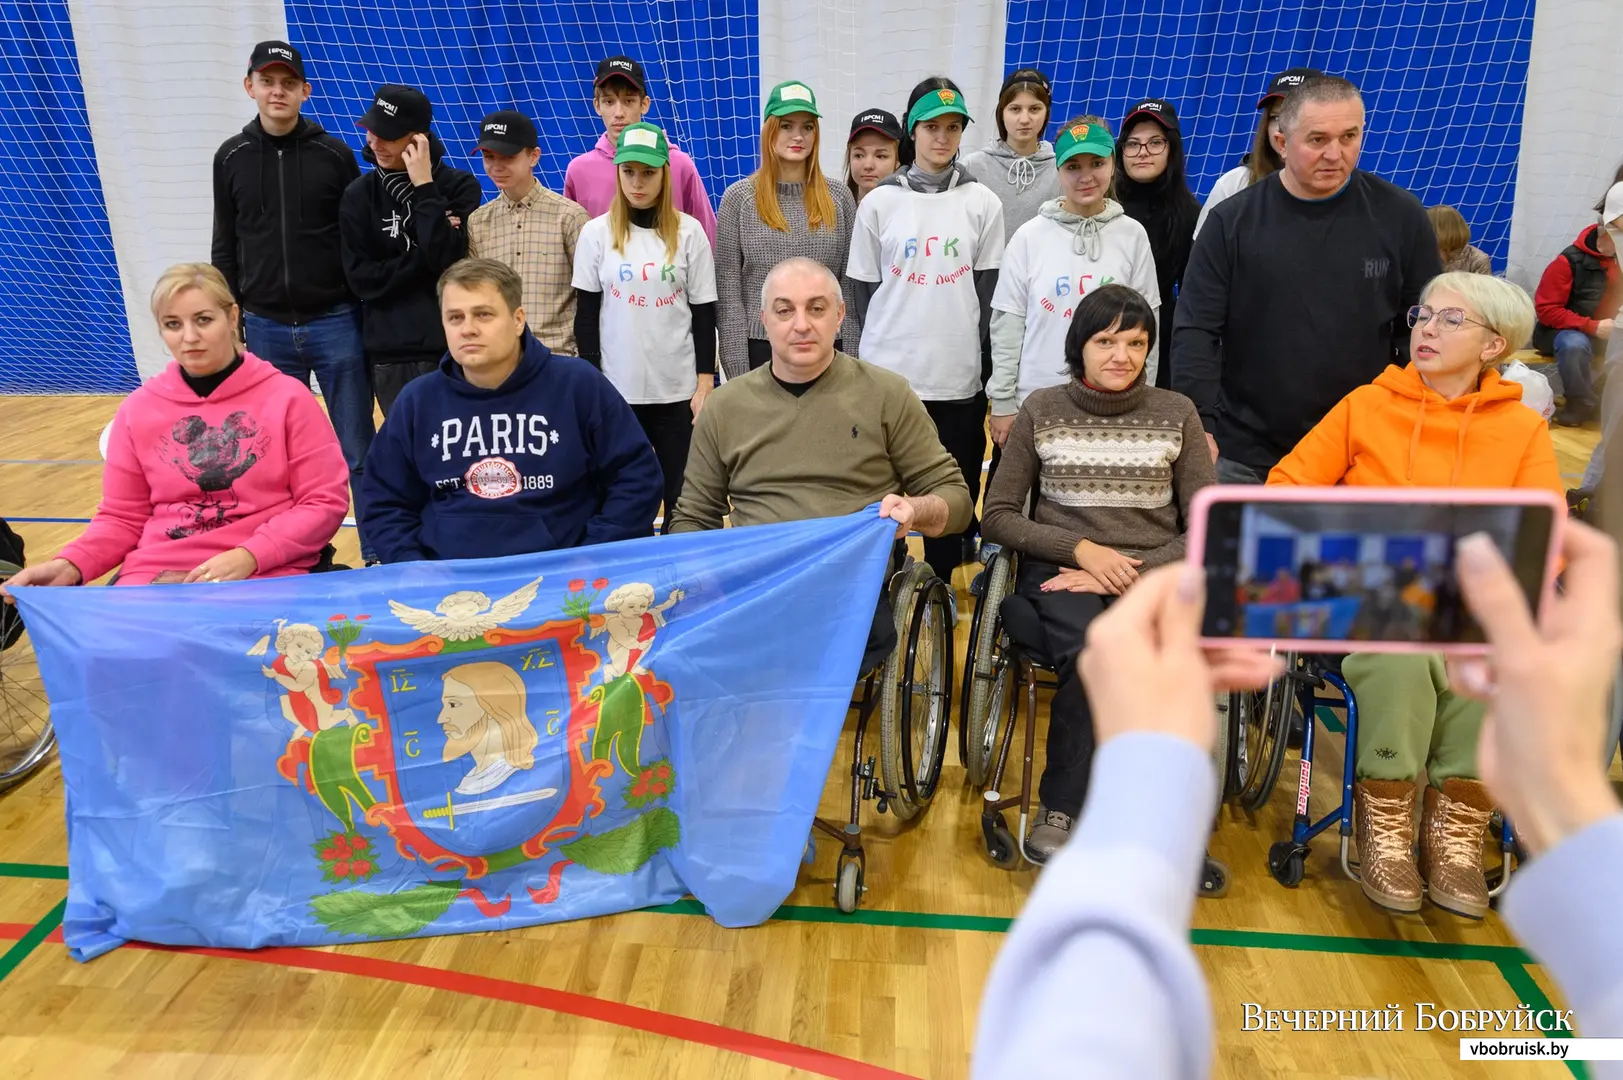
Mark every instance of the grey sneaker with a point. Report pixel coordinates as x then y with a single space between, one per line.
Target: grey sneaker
1049 831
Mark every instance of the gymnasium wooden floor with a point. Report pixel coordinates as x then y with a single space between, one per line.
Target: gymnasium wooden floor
891 991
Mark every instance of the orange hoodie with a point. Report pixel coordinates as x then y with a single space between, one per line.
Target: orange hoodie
1397 432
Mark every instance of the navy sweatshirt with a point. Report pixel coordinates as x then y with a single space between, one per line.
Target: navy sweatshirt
553 458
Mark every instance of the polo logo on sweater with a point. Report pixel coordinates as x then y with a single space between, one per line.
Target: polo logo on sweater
493 478
853 431
213 458
1376 269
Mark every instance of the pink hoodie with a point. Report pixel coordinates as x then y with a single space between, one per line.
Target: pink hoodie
590 181
254 465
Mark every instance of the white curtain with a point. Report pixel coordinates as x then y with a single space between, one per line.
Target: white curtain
857 55
163 89
1572 130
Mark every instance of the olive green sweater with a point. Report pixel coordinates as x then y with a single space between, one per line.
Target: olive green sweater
761 455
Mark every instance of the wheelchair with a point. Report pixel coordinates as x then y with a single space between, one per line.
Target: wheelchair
1310 683
26 735
912 691
1008 659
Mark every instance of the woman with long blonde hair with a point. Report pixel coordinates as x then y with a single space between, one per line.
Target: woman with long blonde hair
645 289
786 209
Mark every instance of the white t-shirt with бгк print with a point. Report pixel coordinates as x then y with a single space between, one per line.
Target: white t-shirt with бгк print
924 321
1043 278
646 322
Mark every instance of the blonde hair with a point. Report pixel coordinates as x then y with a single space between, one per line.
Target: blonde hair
1452 231
820 213
502 698
667 220
1505 308
193 275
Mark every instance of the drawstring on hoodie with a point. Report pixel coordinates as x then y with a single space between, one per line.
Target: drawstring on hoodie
1459 441
1022 173
1087 233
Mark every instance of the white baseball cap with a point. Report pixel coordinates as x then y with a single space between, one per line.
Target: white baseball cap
1614 204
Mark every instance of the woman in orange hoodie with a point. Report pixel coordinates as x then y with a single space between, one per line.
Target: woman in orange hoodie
1445 420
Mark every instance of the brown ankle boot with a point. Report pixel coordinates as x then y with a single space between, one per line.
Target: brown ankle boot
1383 812
1451 846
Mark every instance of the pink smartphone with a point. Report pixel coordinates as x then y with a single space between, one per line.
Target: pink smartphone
1360 569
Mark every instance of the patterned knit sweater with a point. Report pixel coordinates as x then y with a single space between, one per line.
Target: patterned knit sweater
747 250
1119 469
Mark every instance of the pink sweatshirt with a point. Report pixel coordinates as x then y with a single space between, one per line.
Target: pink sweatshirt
590 181
254 465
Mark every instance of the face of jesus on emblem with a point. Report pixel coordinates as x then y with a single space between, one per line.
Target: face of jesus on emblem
483 714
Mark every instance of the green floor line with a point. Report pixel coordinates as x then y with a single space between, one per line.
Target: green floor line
30 941
1529 993
33 870
993 924
1330 720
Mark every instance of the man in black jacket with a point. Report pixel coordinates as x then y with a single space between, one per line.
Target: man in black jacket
277 187
403 224
1298 289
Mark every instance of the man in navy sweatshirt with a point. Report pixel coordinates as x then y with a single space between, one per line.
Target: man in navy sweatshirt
506 449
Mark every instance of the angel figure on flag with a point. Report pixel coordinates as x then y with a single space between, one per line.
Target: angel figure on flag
465 616
630 622
311 698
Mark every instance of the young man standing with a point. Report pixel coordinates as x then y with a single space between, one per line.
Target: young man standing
529 228
506 449
402 225
620 96
277 188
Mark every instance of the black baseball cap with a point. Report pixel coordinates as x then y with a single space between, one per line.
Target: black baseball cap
1025 75
876 120
1285 82
269 53
397 111
507 132
622 67
1157 109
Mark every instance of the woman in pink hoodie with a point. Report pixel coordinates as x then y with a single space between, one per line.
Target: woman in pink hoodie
220 468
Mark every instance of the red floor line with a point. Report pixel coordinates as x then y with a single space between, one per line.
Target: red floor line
652 1021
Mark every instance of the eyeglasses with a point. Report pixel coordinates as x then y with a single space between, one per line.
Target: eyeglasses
1448 319
1139 148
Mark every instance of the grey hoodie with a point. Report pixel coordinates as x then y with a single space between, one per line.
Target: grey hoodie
1022 184
1086 230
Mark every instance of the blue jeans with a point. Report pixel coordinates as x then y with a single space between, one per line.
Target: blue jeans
1574 358
330 347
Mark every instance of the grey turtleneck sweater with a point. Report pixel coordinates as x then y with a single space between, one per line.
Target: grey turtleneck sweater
747 250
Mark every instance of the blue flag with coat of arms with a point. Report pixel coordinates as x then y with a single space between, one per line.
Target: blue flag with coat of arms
435 748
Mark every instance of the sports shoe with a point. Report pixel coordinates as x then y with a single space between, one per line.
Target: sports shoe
1383 811
1451 833
1049 831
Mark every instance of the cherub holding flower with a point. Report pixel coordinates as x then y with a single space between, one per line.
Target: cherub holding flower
631 622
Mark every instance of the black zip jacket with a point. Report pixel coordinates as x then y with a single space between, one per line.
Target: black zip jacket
276 220
393 259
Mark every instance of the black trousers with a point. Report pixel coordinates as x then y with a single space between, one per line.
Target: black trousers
1065 617
961 426
389 377
760 352
670 429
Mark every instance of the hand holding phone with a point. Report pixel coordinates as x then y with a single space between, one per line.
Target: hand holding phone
1345 569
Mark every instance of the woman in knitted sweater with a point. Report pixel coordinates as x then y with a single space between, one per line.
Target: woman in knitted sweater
1110 465
786 209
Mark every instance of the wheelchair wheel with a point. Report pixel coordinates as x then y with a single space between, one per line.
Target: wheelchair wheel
26 735
915 709
988 674
1260 725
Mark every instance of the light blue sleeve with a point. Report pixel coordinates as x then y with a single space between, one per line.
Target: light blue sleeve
1097 978
1566 907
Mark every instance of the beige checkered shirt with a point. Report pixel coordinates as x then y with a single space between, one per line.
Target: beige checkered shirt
535 236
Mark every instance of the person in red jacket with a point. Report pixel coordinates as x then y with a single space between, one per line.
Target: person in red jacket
1576 303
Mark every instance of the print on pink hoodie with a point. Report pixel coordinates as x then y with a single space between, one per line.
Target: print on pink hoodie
254 465
591 178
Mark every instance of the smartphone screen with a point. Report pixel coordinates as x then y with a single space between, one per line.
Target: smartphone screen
1358 571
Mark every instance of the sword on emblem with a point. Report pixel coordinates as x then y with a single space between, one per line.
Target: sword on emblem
450 810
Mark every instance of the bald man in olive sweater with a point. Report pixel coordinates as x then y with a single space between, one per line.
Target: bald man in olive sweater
817 433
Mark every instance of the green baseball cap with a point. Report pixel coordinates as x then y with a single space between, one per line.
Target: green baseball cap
643 143
791 97
937 103
1083 139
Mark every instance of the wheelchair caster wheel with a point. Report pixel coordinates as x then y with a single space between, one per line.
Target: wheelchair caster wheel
1287 862
1000 844
848 887
1214 880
